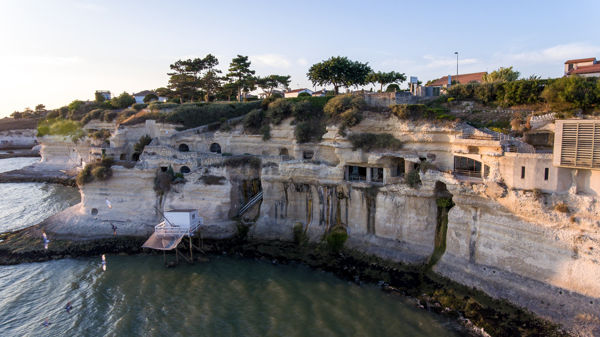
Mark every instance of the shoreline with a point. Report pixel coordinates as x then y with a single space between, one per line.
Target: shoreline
471 308
36 173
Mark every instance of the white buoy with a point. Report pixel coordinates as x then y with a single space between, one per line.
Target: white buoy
108 204
103 262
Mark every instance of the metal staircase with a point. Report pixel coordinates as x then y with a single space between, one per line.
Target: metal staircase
256 198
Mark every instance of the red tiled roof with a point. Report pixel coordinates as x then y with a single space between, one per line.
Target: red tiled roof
461 78
586 70
296 90
581 60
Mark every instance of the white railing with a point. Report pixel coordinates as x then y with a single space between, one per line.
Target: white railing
166 229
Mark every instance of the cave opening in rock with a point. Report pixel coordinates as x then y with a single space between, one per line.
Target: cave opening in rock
184 148
184 170
215 148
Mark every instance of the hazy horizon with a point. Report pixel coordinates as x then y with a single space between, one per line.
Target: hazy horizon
59 51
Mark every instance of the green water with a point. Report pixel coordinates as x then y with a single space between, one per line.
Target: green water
137 296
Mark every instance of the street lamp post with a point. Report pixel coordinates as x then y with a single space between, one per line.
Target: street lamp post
456 63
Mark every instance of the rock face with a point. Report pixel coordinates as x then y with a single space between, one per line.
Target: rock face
502 236
11 139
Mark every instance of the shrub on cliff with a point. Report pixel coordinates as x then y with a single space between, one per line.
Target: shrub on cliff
279 109
191 116
239 161
141 144
336 238
372 141
310 131
100 170
346 109
101 134
413 179
254 120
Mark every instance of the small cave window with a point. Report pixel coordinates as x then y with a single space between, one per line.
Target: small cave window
467 167
94 211
356 173
184 148
135 157
398 167
163 169
215 148
123 156
283 152
377 174
522 172
546 173
185 169
308 154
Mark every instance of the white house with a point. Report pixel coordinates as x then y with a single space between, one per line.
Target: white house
104 93
296 92
139 96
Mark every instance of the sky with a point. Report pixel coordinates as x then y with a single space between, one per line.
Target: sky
53 52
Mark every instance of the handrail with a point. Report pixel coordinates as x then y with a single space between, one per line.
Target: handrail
251 203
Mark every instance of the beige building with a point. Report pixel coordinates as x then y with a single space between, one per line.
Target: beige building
588 67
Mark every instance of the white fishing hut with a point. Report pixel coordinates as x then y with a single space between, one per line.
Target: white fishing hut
176 224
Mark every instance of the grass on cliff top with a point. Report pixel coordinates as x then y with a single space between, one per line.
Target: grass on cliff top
60 127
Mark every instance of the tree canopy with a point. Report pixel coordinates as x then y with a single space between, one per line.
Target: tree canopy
501 75
383 78
241 75
187 76
272 82
340 72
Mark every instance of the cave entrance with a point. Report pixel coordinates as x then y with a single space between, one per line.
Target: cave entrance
184 170
184 148
215 148
135 157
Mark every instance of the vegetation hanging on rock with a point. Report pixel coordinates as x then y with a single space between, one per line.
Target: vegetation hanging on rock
372 141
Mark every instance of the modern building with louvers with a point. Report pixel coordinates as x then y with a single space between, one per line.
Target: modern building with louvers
577 146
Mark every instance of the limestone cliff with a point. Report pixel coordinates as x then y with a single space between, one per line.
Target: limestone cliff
504 235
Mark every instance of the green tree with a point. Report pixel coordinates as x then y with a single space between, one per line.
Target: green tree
573 91
150 97
272 82
383 78
340 72
75 105
163 92
501 75
98 97
184 78
240 75
392 88
122 101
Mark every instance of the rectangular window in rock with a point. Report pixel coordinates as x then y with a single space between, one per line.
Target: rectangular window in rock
357 173
467 167
546 173
377 174
522 172
398 167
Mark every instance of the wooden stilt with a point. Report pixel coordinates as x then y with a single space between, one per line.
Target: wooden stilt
191 256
